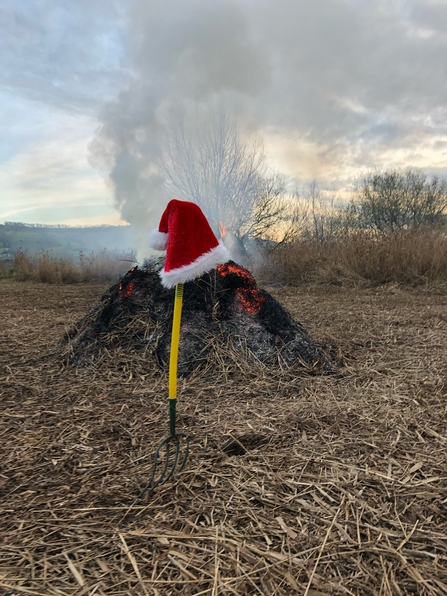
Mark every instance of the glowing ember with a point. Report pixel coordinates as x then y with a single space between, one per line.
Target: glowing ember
128 290
222 230
250 300
232 268
126 287
249 297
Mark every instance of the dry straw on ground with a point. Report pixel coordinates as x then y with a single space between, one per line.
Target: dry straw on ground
296 484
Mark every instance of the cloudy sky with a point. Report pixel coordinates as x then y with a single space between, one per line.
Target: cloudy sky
332 86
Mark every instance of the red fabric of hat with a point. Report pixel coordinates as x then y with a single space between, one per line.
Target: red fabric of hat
190 244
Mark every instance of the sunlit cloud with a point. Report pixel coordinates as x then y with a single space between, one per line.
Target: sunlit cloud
49 180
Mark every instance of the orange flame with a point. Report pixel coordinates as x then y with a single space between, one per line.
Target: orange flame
222 230
228 268
250 298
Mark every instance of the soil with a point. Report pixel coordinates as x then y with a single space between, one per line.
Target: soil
295 483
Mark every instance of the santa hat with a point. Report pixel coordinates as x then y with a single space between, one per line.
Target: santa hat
190 244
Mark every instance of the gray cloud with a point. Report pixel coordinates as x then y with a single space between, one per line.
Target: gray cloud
354 79
67 55
199 47
341 67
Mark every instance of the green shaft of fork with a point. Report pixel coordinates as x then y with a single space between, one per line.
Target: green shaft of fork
173 358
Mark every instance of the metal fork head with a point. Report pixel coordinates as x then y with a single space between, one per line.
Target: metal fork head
171 454
170 458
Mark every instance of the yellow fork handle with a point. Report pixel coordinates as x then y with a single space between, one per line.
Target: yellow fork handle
173 358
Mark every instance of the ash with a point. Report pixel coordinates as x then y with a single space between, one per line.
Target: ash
224 313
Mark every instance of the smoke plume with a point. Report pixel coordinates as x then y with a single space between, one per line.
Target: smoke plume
344 80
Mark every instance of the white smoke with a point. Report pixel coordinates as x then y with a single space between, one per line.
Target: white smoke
346 80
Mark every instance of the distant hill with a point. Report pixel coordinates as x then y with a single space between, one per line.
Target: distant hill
63 241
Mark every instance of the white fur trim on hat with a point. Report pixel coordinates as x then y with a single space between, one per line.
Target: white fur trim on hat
217 255
158 240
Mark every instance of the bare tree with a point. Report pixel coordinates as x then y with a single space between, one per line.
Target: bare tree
206 160
389 201
325 216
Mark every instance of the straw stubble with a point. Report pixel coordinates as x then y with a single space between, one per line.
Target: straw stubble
296 483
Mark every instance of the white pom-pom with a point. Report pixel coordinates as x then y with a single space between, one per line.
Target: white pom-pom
158 240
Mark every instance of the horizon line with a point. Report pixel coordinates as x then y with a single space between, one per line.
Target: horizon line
19 224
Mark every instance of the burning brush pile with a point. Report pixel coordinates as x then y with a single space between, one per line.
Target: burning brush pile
226 316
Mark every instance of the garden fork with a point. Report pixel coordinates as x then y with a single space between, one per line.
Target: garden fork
172 452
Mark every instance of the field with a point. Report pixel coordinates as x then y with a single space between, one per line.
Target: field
296 483
63 241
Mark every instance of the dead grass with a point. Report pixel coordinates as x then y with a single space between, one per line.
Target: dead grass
415 257
339 486
5 269
47 268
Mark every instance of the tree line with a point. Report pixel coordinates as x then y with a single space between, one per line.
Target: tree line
207 160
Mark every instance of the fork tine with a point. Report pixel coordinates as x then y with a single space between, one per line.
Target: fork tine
161 479
182 463
169 468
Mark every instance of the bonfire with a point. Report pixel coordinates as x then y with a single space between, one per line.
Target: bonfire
226 317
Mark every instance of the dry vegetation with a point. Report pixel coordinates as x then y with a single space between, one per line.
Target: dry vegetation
296 484
417 257
47 268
